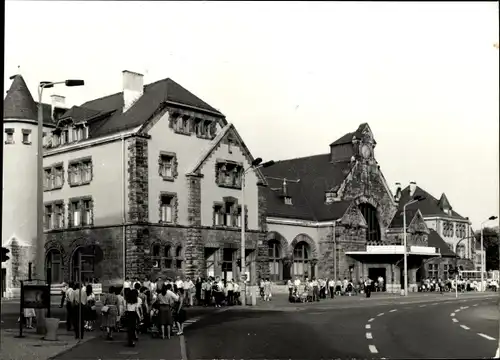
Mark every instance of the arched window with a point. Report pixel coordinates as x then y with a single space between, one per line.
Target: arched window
167 258
179 259
301 259
274 260
370 214
155 255
54 261
83 263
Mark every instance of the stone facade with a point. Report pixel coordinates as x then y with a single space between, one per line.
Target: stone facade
195 250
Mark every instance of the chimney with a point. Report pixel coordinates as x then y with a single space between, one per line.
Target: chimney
413 187
397 194
59 102
133 88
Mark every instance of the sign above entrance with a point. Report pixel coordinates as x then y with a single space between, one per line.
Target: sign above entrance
243 277
395 249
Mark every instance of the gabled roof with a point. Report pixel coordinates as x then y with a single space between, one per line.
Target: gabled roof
227 130
428 207
443 203
435 240
347 138
317 176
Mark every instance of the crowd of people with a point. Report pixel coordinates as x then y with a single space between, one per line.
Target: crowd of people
460 284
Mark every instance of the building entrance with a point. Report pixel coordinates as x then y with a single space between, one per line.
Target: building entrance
375 273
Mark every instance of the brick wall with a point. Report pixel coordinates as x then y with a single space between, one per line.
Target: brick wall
262 260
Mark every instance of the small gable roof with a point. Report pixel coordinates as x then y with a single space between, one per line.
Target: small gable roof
347 138
428 207
229 129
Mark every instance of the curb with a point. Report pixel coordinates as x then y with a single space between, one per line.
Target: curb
71 347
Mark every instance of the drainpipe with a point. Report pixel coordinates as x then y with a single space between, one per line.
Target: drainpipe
124 243
334 225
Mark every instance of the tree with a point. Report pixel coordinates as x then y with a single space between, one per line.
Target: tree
5 257
491 242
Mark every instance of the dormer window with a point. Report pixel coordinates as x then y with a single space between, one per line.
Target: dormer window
80 133
288 200
64 137
228 174
330 197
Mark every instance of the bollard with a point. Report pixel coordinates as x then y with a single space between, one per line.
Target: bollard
254 297
402 292
52 324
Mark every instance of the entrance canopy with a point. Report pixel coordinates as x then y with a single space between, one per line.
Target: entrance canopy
396 250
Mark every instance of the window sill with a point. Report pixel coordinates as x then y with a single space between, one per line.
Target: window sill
225 227
205 137
168 178
236 187
180 132
9 142
80 227
27 143
166 222
53 188
80 184
54 229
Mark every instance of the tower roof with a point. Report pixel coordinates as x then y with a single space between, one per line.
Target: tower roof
19 104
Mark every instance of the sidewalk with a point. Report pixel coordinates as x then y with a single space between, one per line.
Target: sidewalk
32 347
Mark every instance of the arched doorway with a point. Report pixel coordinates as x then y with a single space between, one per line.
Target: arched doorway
301 260
275 265
84 264
53 260
370 214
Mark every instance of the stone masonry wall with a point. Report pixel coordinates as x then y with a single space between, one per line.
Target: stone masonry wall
262 246
195 250
107 239
138 180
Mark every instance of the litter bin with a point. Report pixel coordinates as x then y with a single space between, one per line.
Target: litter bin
402 292
51 324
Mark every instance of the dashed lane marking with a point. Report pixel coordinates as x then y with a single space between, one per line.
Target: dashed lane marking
380 314
434 303
370 320
454 320
182 341
393 310
452 314
373 349
486 336
475 305
369 336
423 305
368 326
465 327
457 310
464 307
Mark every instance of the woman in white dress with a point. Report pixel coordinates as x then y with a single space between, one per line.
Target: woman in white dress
29 314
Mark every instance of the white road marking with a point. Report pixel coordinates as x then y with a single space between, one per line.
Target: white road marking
465 327
380 314
454 320
465 307
369 336
393 310
423 305
475 305
182 341
368 326
434 303
373 349
370 320
452 314
463 300
486 336
457 310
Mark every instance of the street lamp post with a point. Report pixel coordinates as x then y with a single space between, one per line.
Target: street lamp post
456 262
405 250
483 255
40 243
256 164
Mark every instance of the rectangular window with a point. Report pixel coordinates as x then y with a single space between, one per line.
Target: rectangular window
229 174
87 212
58 176
48 217
167 166
26 136
166 209
76 213
48 179
9 136
229 216
58 215
80 172
218 215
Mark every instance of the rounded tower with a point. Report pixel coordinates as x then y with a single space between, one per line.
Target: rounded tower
19 181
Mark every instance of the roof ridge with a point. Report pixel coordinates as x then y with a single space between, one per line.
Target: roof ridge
303 157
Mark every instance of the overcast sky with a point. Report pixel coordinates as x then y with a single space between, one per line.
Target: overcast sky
293 77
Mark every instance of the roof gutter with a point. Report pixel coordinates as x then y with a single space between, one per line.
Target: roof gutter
304 223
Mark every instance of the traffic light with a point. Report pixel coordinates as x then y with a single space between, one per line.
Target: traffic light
5 257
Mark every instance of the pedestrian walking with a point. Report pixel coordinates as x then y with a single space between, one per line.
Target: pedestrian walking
79 302
110 312
331 288
133 316
90 313
166 299
267 290
179 315
69 306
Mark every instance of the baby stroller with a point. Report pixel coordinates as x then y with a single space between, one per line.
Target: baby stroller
154 329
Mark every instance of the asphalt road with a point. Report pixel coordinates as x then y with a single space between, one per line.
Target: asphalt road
398 328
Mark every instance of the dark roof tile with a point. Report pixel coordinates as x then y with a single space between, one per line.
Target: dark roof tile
317 176
434 240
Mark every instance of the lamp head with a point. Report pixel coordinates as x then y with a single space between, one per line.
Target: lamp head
74 82
493 218
256 162
268 163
